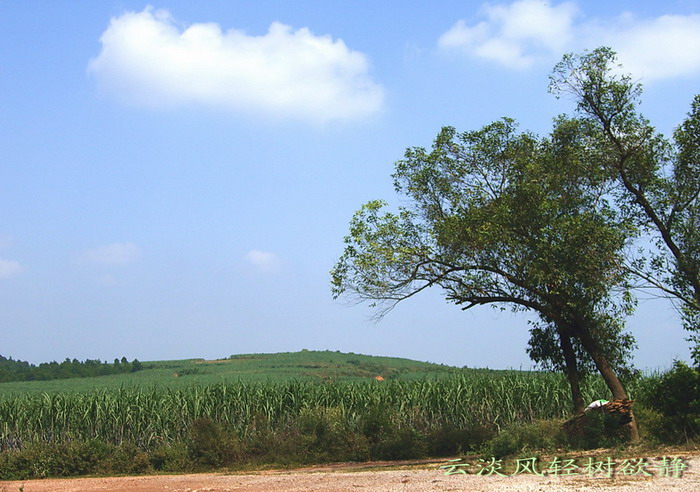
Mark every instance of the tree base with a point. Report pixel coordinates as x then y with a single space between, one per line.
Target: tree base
607 425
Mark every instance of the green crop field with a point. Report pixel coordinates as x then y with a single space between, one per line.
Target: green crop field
157 403
261 408
312 366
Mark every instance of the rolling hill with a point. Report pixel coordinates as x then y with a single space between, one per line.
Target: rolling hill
307 365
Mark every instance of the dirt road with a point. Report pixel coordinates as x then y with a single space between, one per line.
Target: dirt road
342 478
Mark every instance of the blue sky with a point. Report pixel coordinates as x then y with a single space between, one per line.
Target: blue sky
177 177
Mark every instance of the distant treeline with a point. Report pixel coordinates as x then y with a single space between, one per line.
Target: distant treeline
17 370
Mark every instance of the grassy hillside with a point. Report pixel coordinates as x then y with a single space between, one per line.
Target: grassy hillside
319 366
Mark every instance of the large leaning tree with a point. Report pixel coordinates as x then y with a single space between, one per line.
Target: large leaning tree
656 181
503 218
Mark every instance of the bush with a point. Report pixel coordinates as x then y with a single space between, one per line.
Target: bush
676 396
210 446
651 425
596 429
126 459
30 462
41 460
517 439
400 444
447 441
327 436
171 458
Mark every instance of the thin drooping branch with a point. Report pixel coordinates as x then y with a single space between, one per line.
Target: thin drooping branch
654 283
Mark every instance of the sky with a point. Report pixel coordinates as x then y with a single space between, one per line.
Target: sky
176 178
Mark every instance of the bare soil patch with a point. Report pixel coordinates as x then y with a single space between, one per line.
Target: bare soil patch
378 476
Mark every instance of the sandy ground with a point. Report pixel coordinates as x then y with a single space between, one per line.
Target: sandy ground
371 477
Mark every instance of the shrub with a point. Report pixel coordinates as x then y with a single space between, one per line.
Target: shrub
328 436
400 444
126 459
387 440
597 429
447 441
210 446
40 460
651 424
535 436
171 458
76 458
676 396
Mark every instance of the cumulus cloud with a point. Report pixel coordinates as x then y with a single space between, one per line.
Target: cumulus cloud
262 260
149 59
514 35
112 254
10 268
661 48
519 34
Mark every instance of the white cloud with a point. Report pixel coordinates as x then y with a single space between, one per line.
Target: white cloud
112 254
148 59
514 35
10 268
661 48
519 34
266 262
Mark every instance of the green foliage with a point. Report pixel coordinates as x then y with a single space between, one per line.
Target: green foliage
652 425
137 430
543 348
675 396
400 444
656 182
323 366
387 439
126 459
149 417
327 435
210 446
172 457
247 424
17 370
294 422
509 219
695 350
74 458
526 438
450 441
598 430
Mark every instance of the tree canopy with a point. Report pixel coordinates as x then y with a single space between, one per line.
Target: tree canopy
509 219
656 181
547 224
17 370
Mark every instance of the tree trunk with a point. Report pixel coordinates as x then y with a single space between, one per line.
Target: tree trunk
611 379
571 370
